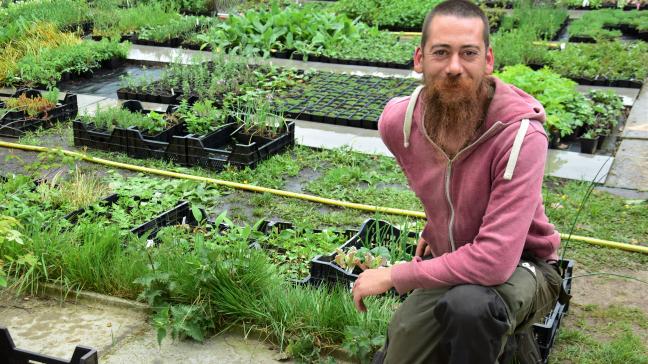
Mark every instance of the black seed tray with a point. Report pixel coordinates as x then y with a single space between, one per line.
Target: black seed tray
181 214
126 140
325 270
546 332
11 354
17 123
228 145
73 216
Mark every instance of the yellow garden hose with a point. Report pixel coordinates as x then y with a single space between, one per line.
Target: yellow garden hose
301 196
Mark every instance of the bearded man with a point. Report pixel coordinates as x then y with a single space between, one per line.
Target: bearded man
473 149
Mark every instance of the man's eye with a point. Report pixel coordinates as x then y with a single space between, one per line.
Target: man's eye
439 52
470 53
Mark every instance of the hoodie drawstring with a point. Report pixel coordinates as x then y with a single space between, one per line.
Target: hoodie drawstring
407 126
515 151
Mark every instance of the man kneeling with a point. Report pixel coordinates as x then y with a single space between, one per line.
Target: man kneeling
473 149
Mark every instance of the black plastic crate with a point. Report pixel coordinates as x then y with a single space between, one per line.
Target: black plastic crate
325 270
73 216
181 214
228 145
127 140
547 331
10 354
17 123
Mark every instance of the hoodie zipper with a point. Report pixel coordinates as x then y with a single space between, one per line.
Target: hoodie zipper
449 175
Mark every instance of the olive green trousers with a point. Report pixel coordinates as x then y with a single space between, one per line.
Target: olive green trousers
472 323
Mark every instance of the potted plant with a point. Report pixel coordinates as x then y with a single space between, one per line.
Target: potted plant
589 141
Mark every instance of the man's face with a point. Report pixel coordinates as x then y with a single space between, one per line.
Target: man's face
454 55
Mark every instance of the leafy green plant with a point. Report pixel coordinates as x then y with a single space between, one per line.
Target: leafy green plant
202 117
610 60
9 232
62 13
542 21
566 108
46 67
293 249
176 28
361 343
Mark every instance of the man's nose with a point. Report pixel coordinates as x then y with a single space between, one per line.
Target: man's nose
454 68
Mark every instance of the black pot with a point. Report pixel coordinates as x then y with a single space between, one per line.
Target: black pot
554 140
588 145
601 140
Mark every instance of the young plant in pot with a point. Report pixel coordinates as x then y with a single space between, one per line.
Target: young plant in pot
589 141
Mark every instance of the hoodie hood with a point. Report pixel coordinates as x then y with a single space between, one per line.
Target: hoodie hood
510 104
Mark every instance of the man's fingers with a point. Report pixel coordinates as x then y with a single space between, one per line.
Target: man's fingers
420 247
357 299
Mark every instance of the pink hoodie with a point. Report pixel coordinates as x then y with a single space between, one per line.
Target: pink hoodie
484 207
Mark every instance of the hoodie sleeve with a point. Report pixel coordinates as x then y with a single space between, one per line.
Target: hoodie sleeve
493 255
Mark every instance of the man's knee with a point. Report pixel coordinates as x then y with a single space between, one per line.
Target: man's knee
466 304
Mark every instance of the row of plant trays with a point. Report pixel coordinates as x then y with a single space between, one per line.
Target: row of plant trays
228 145
16 123
509 5
626 30
319 117
597 81
160 97
291 54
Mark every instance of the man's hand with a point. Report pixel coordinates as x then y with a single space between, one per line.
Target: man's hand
370 283
422 249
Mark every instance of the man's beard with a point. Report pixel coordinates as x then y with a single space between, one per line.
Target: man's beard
454 111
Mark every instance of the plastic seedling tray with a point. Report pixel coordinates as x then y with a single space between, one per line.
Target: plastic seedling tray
73 216
181 214
126 140
371 233
17 123
12 355
228 145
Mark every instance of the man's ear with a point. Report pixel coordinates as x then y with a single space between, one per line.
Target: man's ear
418 60
490 61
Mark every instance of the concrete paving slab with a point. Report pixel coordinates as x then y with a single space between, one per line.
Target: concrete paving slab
92 108
578 166
630 168
224 348
84 101
328 136
636 126
49 326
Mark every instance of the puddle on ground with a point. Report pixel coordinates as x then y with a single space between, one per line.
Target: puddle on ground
106 82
